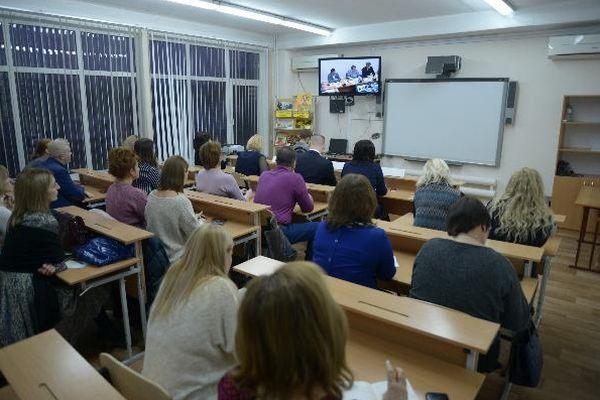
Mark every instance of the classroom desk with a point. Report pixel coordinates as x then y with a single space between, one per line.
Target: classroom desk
92 276
96 195
319 193
441 335
97 179
318 212
588 198
45 366
398 201
243 220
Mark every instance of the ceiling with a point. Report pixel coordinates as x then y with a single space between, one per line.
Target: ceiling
328 13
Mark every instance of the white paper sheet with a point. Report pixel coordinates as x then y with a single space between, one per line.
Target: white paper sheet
72 264
373 391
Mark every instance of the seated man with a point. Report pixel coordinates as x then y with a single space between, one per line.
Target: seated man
59 155
313 167
463 274
281 188
333 76
352 73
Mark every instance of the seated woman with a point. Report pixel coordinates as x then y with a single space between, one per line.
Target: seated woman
40 154
149 172
212 180
434 195
190 338
521 214
124 202
31 299
291 341
129 141
252 161
463 274
169 213
6 202
348 245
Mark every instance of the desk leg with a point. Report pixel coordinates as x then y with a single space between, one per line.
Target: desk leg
125 310
472 360
586 212
257 222
594 241
547 267
141 293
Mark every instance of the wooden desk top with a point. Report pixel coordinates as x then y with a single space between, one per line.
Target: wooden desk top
119 231
589 196
319 207
441 323
551 246
366 355
235 229
45 366
399 194
96 195
78 275
95 174
310 186
510 250
225 202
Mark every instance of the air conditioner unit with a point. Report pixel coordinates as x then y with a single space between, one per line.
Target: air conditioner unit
574 46
307 63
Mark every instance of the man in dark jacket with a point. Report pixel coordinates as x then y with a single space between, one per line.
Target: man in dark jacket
313 167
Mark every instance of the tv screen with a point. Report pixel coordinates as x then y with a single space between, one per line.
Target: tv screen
356 76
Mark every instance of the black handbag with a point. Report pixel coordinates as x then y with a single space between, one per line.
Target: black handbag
279 246
527 358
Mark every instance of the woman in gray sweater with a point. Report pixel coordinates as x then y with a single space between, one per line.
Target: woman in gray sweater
463 274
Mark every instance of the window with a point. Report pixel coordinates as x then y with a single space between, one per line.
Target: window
8 146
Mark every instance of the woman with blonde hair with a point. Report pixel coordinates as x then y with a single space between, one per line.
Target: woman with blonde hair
520 214
129 141
434 196
348 245
6 201
252 161
30 300
169 213
190 338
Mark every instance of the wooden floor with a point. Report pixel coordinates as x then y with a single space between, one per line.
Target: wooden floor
570 334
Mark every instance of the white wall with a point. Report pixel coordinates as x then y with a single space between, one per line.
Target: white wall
531 141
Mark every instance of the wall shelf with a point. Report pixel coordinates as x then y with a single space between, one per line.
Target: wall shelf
579 151
581 123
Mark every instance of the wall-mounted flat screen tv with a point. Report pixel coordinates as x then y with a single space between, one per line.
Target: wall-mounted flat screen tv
350 76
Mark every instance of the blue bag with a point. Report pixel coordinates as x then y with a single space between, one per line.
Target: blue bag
102 251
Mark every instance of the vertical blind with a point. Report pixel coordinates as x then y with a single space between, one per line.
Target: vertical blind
80 83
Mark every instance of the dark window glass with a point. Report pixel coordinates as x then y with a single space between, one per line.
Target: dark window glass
208 105
167 58
207 61
244 64
104 52
2 46
38 46
245 104
170 122
50 106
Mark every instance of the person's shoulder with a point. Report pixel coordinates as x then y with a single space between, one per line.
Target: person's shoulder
139 193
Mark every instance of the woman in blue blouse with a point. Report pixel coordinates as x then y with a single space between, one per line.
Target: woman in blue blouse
348 245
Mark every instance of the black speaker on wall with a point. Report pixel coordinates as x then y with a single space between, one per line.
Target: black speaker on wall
511 102
337 105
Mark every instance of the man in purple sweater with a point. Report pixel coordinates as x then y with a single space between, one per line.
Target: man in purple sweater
281 188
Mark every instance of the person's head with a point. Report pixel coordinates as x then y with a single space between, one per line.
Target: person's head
468 216
522 208
255 143
122 163
353 202
6 186
173 174
60 149
291 336
144 149
200 138
41 148
353 67
207 254
210 154
286 157
35 189
368 64
434 171
129 141
332 70
364 150
317 142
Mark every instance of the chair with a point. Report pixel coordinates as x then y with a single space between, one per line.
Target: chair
131 384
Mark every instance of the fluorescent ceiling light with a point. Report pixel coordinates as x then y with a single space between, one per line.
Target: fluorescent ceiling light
253 14
502 6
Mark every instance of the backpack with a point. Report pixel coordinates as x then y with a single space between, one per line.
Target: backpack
72 231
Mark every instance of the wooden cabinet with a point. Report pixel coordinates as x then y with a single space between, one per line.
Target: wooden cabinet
564 193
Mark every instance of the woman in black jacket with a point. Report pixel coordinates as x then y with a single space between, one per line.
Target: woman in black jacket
32 299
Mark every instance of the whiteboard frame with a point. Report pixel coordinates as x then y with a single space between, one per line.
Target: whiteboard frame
449 161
